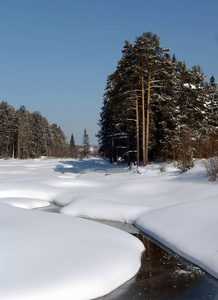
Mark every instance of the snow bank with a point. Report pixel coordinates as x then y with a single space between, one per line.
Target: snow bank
98 208
52 256
59 256
178 209
27 203
190 229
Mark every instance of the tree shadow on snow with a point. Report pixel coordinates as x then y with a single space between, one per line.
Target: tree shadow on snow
84 166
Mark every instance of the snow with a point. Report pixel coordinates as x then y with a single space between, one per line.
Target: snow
61 256
52 256
196 240
189 85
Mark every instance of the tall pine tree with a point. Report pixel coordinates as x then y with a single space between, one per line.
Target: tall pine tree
154 101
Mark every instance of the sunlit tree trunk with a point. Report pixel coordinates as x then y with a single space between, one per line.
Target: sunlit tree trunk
143 124
137 132
18 139
147 119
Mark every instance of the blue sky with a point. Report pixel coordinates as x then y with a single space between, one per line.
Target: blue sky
55 55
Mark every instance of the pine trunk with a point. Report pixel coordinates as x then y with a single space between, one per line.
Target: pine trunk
143 124
137 132
18 140
147 120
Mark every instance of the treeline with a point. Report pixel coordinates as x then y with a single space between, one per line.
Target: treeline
29 135
155 108
26 135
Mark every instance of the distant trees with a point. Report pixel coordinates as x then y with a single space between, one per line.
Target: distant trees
86 145
73 151
25 145
8 129
59 146
26 135
29 135
155 107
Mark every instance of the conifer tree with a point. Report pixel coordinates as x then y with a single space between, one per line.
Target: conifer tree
73 150
210 147
212 102
105 134
59 145
24 133
7 130
148 61
163 112
179 117
29 135
86 145
40 131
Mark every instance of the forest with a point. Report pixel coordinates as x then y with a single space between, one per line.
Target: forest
29 135
157 109
26 135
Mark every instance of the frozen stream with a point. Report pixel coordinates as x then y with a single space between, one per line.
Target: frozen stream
163 274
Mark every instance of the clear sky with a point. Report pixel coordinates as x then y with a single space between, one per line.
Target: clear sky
55 55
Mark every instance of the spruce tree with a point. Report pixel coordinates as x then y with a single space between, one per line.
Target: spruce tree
212 102
59 145
72 147
211 143
163 112
86 145
24 133
7 130
40 131
105 134
29 135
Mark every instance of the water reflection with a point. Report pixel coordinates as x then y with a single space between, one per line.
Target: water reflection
162 276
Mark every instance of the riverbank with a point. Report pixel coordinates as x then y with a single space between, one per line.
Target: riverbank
163 274
178 209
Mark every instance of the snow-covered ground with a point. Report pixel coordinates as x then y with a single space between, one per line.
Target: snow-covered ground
60 256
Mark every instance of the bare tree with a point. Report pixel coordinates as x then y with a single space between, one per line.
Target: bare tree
211 166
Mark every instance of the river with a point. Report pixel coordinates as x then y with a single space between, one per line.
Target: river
163 274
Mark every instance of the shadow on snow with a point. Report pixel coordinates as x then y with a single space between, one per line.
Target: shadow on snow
85 166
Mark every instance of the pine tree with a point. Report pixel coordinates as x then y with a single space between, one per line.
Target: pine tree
24 134
127 95
148 61
40 131
105 134
7 130
174 107
210 147
86 145
132 98
73 150
163 112
212 102
114 119
59 145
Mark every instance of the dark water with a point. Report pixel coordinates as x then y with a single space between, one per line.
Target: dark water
52 208
163 274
